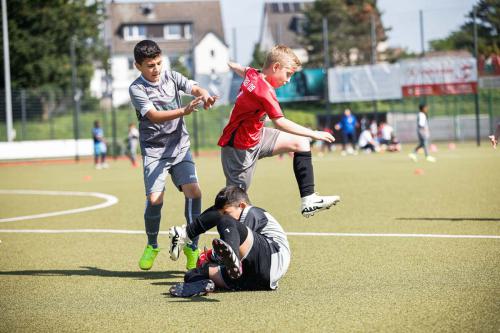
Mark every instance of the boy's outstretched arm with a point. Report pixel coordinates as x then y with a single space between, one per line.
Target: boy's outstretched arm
160 116
290 127
208 100
237 68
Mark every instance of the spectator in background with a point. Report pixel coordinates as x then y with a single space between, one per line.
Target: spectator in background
388 140
494 138
423 134
99 146
386 131
326 146
363 123
374 128
132 142
366 141
348 125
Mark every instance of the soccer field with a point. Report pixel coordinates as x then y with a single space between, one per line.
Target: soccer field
411 247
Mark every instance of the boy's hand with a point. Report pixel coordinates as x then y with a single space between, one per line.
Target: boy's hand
209 101
323 136
188 109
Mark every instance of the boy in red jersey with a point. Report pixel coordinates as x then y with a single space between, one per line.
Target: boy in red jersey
245 139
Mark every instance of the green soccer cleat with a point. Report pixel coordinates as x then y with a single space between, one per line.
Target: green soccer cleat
148 257
191 256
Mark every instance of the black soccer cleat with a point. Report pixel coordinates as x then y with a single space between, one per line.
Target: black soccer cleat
228 258
190 289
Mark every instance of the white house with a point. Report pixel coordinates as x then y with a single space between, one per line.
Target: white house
182 29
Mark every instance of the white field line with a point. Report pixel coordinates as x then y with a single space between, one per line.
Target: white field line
313 234
109 200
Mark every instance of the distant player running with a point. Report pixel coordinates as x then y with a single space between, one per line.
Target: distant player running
494 138
252 252
423 134
245 139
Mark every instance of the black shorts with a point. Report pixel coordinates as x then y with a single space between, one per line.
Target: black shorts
256 267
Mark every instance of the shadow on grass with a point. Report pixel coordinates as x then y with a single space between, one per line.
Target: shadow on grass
194 299
94 271
452 219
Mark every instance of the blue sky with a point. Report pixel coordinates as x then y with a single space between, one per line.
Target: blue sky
440 18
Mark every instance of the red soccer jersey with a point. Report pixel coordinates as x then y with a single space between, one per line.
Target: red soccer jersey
255 100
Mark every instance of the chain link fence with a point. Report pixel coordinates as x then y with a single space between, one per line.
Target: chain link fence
50 115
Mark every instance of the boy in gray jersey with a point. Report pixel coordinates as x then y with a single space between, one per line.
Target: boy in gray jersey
252 252
164 142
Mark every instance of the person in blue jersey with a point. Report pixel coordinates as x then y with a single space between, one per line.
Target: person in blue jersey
164 142
99 146
251 253
348 124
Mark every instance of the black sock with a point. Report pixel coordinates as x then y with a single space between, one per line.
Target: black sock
204 222
232 232
152 217
304 173
197 274
192 209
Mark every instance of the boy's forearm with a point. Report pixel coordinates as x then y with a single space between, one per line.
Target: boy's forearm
160 116
290 127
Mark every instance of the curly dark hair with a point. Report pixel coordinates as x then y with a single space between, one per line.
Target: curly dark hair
146 49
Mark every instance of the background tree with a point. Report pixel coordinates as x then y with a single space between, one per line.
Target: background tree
488 31
258 57
349 25
40 35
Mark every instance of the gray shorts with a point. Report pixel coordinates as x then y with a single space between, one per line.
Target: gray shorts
239 164
155 172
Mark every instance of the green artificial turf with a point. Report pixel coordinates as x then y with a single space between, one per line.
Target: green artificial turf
67 282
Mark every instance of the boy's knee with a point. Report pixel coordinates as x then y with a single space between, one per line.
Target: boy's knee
225 222
191 191
155 199
302 144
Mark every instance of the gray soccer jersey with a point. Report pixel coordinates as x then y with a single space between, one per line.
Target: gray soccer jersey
170 138
263 223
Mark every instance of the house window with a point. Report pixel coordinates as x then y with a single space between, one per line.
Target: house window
130 63
134 32
212 53
187 31
173 31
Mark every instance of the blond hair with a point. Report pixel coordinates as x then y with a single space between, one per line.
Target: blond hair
284 56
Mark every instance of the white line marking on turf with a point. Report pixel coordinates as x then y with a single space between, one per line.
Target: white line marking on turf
314 234
110 200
